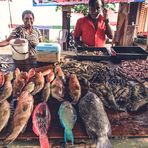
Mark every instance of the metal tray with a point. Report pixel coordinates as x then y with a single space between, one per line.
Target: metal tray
131 52
96 58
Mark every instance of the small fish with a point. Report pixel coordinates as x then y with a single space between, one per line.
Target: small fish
95 119
29 87
18 85
31 72
46 91
50 77
41 118
59 72
7 88
74 88
67 115
2 78
4 114
21 116
57 89
139 97
39 83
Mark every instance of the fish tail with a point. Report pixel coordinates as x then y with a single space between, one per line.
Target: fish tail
10 138
68 134
44 143
103 142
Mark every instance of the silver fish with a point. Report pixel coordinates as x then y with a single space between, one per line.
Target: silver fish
96 121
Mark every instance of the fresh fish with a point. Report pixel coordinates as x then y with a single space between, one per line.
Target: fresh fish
41 118
39 83
74 88
4 114
46 92
17 72
21 115
96 121
57 89
2 78
139 97
46 71
18 85
67 115
31 72
29 87
50 77
104 92
7 88
21 79
59 72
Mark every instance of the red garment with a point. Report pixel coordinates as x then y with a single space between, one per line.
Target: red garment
89 35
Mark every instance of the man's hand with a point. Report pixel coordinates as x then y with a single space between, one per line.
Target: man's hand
105 13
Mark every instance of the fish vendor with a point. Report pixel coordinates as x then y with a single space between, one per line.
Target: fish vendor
91 30
27 31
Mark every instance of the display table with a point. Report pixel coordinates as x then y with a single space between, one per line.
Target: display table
123 124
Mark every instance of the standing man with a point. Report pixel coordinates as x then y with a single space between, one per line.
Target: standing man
91 30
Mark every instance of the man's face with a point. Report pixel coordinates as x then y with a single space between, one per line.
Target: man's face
94 11
28 20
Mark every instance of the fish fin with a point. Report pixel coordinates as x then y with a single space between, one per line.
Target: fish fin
44 143
103 142
68 134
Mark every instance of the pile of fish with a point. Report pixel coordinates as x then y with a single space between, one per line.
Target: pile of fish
17 98
117 91
81 88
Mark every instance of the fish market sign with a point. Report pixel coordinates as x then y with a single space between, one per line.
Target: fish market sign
58 2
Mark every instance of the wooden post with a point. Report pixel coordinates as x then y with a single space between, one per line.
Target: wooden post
147 29
66 10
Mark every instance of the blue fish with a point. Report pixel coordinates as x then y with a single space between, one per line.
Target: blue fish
67 115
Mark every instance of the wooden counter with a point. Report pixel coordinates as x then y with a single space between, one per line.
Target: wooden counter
123 124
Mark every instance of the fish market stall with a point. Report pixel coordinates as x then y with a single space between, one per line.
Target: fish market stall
122 89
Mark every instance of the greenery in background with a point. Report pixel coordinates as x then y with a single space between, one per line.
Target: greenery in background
83 8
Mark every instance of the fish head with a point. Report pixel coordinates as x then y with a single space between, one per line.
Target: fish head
85 85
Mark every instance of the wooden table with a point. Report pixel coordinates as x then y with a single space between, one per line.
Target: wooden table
123 124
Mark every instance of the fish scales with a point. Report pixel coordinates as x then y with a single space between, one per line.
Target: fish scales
4 114
67 115
96 121
21 116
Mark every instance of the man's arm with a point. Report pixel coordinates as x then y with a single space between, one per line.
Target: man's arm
108 30
79 43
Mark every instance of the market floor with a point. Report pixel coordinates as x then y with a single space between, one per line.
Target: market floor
117 143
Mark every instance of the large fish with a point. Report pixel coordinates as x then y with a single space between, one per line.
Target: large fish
7 88
39 81
41 118
59 72
68 117
57 89
21 115
4 114
96 121
74 88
